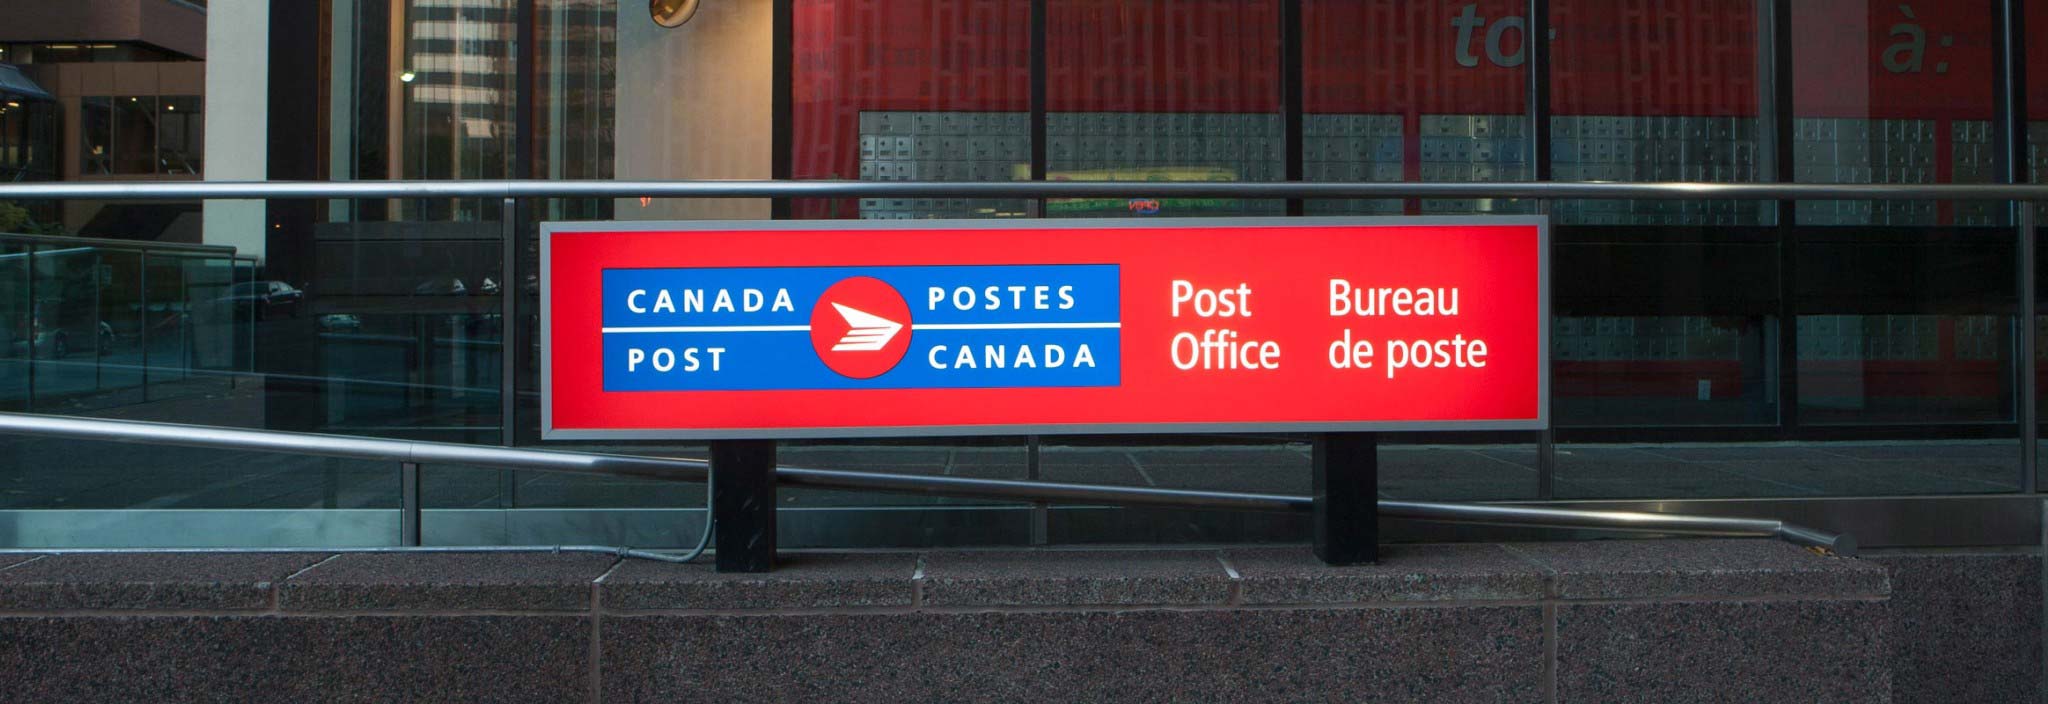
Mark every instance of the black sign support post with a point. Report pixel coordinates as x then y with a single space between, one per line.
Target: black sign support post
1347 509
743 504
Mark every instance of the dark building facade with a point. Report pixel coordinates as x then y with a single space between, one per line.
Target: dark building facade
125 80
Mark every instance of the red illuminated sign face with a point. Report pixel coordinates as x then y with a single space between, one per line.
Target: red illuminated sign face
824 329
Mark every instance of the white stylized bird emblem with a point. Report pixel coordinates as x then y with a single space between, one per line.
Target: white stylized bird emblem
870 332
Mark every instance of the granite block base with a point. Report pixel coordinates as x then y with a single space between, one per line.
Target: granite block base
278 659
1966 626
1722 620
1464 654
1757 651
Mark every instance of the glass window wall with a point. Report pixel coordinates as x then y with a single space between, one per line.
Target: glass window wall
134 134
927 90
1163 90
2036 170
1904 307
181 135
96 135
1440 93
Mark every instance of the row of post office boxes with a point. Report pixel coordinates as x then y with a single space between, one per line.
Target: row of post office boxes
1474 126
1632 219
1664 151
974 124
1816 326
1129 170
1693 325
1212 148
892 208
1970 131
1975 155
1170 124
1980 214
947 148
1451 206
1830 129
1474 172
1355 206
1870 348
1695 129
1981 348
1865 153
1903 325
1351 125
1351 148
939 170
1659 207
1982 159
1654 172
1350 171
1834 173
1474 150
1615 349
2037 148
1810 211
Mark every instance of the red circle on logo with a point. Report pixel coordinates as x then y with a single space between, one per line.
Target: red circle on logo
861 327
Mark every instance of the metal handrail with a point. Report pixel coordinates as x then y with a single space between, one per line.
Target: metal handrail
191 190
692 470
150 245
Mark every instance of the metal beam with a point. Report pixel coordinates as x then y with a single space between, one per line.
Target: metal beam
1293 119
409 504
2009 125
315 190
1536 49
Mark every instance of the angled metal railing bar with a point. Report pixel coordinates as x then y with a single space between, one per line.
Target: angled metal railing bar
203 250
242 190
407 549
351 447
678 469
1022 490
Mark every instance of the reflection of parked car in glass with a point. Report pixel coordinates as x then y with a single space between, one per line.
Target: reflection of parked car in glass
267 297
341 322
442 286
52 341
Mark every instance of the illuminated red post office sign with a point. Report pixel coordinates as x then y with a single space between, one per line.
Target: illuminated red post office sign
821 329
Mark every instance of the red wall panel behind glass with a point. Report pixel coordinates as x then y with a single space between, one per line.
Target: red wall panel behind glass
1155 56
1854 58
1610 57
912 55
1396 56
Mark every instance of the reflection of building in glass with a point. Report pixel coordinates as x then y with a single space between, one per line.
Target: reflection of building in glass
446 82
105 91
456 75
28 129
575 122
